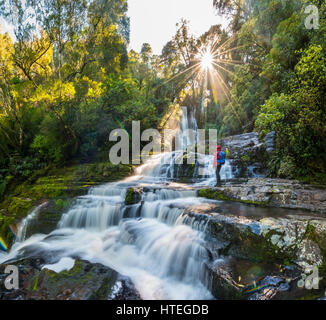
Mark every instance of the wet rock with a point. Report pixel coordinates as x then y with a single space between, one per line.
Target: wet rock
124 289
243 144
221 284
47 218
133 196
309 254
270 287
276 193
245 239
272 240
270 141
85 281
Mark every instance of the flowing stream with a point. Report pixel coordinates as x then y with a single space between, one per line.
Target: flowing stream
162 249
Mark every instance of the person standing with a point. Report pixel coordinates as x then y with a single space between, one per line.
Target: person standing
219 161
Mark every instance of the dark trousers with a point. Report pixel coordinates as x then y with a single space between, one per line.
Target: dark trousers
218 177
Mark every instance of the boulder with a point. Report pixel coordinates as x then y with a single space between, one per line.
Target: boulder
221 284
84 281
280 193
270 141
133 196
247 155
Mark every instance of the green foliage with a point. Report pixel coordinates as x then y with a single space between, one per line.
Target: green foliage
287 168
245 158
281 86
298 118
68 81
19 207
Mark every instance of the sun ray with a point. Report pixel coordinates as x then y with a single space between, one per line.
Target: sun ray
228 41
232 96
231 62
230 72
226 93
179 74
233 49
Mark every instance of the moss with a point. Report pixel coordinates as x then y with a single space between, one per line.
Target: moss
212 194
36 283
102 293
284 256
19 207
132 197
261 249
245 244
5 233
129 196
218 195
84 281
53 183
73 272
245 158
317 178
76 275
320 239
61 204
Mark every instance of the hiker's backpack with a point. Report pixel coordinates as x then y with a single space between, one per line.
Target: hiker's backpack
220 159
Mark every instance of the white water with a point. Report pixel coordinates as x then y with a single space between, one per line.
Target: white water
21 233
63 264
161 167
154 243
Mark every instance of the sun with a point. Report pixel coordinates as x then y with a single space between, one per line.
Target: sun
206 60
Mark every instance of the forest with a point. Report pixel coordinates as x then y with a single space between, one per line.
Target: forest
244 223
68 79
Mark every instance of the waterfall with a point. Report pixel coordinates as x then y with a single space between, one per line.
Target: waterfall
156 242
163 166
22 230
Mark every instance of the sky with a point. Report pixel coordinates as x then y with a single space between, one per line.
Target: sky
154 21
5 27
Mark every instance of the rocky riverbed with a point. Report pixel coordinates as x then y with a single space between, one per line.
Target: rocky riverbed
252 238
280 193
255 252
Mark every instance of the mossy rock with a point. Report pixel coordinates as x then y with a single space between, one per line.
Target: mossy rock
132 196
85 281
212 194
218 195
53 184
243 243
320 239
19 207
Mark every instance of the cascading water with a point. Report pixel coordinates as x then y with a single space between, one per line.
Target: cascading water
164 166
21 234
154 242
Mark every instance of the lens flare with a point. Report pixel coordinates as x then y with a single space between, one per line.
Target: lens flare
3 245
207 60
